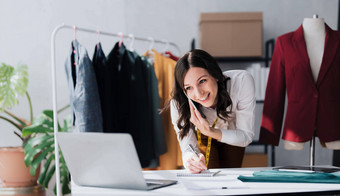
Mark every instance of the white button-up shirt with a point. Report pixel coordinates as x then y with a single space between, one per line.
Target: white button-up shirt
238 130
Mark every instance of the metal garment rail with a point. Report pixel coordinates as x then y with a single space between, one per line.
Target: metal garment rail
54 80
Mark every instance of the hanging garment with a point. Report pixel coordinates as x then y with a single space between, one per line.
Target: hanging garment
105 82
179 152
132 101
155 118
311 106
120 77
164 69
84 96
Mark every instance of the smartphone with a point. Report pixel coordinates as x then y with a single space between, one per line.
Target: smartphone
192 103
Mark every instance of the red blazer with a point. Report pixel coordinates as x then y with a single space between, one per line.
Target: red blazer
312 107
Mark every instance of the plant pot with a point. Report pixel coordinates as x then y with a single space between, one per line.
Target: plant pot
13 171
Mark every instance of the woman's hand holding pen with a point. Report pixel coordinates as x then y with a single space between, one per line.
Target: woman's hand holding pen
196 164
203 125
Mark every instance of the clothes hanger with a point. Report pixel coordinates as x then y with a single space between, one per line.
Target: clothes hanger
132 40
149 51
74 32
73 48
98 37
152 42
166 46
121 38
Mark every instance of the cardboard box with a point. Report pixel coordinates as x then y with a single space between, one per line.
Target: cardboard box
255 160
234 34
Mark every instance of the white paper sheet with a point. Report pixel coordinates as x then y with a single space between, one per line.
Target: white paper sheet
194 184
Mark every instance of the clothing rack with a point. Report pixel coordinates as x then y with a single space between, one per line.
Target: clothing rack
54 80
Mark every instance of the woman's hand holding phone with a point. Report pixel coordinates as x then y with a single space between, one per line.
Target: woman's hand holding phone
196 118
202 123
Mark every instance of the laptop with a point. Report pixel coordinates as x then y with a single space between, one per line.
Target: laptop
107 160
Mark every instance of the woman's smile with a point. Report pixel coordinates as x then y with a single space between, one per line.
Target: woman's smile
205 99
200 86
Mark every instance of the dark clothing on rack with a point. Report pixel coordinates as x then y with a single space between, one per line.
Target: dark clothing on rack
155 119
84 97
117 94
133 102
107 94
119 78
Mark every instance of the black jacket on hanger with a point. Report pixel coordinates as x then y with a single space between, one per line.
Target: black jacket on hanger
131 101
104 75
154 106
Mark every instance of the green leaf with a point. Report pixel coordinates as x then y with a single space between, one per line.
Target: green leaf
13 82
64 176
35 146
36 161
35 129
45 169
49 175
65 186
43 123
48 113
39 139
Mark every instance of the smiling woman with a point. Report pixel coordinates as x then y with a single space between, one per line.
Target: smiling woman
201 87
227 99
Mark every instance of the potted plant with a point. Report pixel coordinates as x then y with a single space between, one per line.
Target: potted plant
13 83
40 146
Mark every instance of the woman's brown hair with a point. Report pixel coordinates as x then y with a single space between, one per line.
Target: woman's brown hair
197 58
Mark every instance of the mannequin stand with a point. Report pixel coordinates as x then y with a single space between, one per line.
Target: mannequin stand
312 142
312 152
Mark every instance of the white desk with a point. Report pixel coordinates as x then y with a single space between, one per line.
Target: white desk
179 189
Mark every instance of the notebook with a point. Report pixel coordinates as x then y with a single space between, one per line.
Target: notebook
107 160
206 173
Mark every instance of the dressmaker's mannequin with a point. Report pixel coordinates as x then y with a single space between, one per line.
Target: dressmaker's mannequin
314 34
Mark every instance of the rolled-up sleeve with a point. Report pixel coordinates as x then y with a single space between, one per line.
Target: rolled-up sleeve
190 138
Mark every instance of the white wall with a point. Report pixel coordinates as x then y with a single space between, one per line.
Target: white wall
26 27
